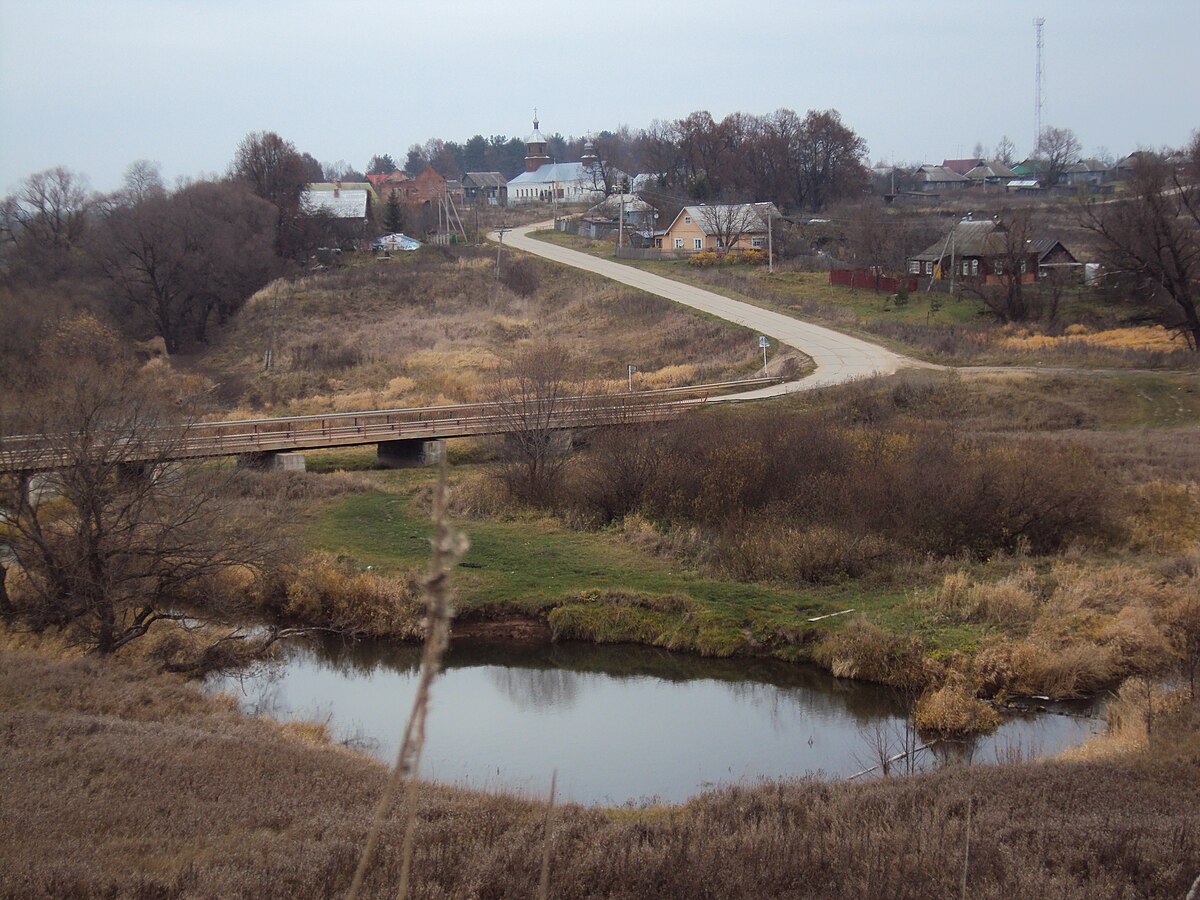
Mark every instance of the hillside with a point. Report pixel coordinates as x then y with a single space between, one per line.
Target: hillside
432 327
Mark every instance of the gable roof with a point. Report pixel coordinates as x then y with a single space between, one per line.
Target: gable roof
962 166
484 179
755 215
1043 247
938 175
970 238
986 170
341 204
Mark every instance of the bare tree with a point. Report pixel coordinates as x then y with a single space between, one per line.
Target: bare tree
1058 149
1013 265
45 220
1006 151
178 259
537 387
277 173
116 536
729 222
1153 235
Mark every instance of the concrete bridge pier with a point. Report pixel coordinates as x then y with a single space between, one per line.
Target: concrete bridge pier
409 453
272 460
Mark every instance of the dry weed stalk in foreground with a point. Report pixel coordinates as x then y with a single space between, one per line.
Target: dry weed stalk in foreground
544 882
448 548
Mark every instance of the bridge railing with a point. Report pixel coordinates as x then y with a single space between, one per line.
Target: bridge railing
227 438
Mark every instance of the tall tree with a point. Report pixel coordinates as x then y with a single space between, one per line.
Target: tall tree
393 213
381 164
1152 235
1058 149
44 223
277 173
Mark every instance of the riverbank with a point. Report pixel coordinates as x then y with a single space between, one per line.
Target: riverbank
1111 599
124 782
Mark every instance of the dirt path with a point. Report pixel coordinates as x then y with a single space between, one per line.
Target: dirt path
838 357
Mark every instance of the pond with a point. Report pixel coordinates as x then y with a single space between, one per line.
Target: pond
619 724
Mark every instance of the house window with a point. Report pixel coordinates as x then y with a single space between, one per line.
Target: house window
929 268
914 267
974 267
720 244
687 220
756 243
998 266
1022 267
698 243
678 243
966 267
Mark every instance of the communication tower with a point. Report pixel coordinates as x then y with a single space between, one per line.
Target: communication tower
1039 80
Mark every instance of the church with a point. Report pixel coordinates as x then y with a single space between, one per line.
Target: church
545 180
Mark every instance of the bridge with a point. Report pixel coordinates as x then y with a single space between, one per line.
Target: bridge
410 436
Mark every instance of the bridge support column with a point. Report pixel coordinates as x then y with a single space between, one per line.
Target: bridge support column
409 453
273 460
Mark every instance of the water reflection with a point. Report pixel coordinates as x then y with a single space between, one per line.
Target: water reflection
619 723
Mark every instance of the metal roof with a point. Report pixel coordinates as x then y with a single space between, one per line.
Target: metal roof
485 179
552 172
341 203
754 214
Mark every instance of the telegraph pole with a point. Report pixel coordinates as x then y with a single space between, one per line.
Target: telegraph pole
499 247
770 245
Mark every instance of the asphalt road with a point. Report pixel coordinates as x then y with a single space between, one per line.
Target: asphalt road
838 357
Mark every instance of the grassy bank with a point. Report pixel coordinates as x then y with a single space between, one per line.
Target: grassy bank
121 782
1107 592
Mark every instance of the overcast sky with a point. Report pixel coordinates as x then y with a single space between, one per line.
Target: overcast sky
95 85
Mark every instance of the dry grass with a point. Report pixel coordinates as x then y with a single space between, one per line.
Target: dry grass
953 709
433 329
119 782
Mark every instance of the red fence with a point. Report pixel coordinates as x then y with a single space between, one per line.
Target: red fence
869 279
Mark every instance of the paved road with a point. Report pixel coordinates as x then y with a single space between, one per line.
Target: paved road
838 357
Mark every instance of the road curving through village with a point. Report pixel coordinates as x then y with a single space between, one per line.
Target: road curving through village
838 357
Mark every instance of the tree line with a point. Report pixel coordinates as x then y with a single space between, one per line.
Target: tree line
798 162
158 260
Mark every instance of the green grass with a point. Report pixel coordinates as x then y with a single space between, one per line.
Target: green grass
537 566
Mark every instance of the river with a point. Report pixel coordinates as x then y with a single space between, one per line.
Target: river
619 724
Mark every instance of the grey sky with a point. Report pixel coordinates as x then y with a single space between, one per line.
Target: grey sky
96 85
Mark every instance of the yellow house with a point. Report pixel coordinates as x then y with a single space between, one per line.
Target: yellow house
740 226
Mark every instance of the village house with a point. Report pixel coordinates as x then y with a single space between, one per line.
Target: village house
978 251
698 228
486 188
938 179
990 174
346 207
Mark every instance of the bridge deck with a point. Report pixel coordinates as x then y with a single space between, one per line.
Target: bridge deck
33 453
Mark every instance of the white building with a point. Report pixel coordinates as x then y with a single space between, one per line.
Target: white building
546 180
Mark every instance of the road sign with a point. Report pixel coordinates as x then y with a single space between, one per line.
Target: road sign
763 341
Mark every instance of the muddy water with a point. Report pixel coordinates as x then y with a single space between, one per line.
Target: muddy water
619 724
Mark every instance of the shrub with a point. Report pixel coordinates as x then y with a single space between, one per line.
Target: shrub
324 590
1060 670
953 709
865 651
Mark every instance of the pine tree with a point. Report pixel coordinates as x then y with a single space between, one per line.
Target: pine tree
393 213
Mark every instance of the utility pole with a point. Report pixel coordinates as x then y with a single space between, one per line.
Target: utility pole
621 225
770 246
499 247
269 356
